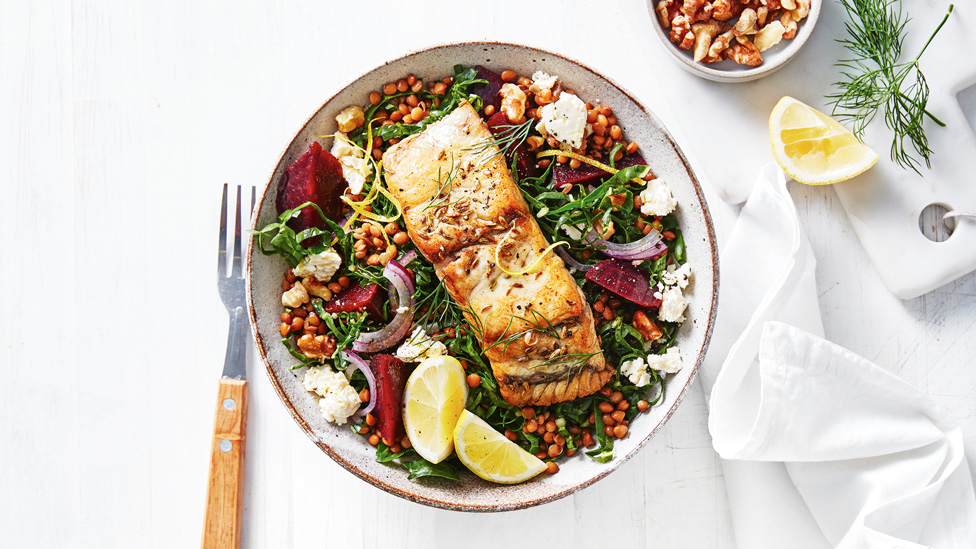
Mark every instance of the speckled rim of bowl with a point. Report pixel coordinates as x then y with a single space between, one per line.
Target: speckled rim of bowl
487 506
789 49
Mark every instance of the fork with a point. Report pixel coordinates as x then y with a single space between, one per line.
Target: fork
222 527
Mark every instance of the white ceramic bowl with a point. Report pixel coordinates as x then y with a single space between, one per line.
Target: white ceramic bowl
729 71
471 493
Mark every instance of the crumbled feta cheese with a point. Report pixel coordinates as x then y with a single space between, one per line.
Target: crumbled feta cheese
541 82
657 198
321 266
669 362
565 120
420 346
636 371
402 309
674 276
355 168
339 400
672 305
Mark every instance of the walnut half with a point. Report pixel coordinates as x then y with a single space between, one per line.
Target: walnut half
704 33
745 55
317 346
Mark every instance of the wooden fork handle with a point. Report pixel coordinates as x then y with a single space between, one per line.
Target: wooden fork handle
222 529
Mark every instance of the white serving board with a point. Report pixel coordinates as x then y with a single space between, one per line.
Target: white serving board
884 204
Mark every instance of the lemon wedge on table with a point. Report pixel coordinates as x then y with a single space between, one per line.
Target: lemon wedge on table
812 147
434 398
491 456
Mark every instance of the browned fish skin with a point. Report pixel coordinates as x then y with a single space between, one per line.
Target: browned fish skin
462 209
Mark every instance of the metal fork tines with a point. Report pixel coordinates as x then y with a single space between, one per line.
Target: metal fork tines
231 287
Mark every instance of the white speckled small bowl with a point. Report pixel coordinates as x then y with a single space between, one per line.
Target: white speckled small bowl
471 493
729 71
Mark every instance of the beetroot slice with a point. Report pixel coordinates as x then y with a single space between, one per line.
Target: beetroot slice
562 174
315 177
625 280
525 160
356 297
391 377
488 92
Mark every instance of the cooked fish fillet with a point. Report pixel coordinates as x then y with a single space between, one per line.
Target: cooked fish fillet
466 215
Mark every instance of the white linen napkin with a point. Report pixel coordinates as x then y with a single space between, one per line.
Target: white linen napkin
822 448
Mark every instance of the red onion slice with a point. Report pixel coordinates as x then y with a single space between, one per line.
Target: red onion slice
571 261
408 257
361 365
399 327
652 245
404 261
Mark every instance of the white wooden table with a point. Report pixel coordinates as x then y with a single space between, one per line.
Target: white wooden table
119 121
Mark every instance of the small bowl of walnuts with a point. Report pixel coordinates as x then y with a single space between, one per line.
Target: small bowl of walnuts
734 40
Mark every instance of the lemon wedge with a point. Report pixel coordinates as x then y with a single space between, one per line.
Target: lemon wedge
812 147
491 456
434 398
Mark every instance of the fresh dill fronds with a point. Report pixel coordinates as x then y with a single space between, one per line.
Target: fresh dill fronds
511 137
445 184
539 324
571 360
875 79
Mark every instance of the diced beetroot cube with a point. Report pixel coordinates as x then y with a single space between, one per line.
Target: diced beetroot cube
525 160
358 298
391 377
488 92
562 174
497 124
625 280
315 177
